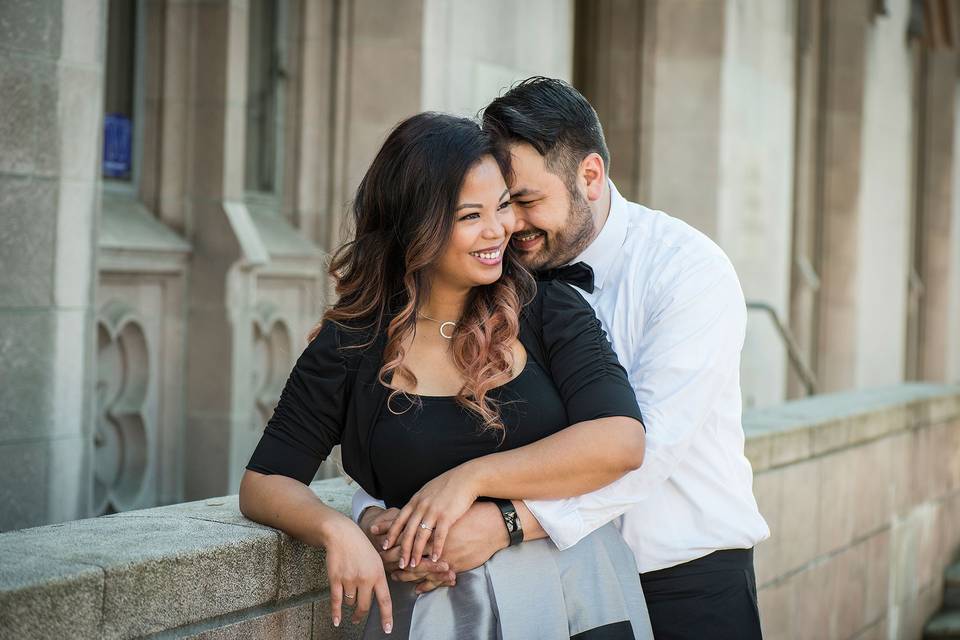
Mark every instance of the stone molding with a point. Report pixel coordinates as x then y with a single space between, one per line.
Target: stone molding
142 272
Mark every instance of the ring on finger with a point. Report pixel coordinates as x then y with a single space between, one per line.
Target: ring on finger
350 597
423 525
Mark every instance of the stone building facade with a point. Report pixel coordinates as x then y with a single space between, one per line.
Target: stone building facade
174 172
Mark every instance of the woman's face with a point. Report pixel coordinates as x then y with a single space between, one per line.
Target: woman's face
483 223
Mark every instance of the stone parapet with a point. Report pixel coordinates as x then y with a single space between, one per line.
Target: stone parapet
861 490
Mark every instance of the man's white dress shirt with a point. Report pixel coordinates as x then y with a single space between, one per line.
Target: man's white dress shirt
671 304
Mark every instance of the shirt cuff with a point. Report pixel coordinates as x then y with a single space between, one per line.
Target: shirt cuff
362 500
560 519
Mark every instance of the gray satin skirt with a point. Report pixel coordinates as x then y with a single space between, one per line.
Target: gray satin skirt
528 592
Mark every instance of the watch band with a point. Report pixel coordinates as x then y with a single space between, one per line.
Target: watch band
510 519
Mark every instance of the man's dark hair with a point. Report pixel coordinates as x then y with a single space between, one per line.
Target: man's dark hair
554 118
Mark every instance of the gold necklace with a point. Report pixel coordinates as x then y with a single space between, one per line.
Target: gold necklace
442 324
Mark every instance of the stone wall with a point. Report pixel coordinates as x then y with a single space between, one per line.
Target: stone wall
861 490
862 494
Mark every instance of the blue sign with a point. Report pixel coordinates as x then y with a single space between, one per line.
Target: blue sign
117 144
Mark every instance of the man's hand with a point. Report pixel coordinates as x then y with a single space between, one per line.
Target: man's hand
475 537
375 522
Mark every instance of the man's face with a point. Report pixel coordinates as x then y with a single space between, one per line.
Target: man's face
553 226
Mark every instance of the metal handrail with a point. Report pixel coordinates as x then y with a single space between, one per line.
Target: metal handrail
807 376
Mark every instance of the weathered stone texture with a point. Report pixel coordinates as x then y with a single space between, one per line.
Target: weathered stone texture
48 598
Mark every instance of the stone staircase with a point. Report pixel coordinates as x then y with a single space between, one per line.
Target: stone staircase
945 625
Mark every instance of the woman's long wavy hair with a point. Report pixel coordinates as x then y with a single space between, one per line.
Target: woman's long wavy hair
403 217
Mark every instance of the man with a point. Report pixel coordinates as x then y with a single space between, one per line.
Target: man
671 303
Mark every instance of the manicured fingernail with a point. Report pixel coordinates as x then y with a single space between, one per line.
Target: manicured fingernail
413 562
374 529
388 628
386 545
336 622
402 563
434 557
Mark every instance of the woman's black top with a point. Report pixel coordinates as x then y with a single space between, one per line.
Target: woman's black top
416 442
333 397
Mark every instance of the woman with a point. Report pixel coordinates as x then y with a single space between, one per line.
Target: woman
440 358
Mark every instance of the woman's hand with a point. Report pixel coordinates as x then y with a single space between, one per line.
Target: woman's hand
356 573
437 505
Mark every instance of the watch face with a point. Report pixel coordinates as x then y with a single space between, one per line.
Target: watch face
511 520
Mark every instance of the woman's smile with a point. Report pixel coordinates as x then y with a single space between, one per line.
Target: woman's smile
490 256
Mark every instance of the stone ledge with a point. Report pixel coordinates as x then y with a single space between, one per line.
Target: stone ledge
811 427
200 569
147 571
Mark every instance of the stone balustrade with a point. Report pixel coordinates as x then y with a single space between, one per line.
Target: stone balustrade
861 490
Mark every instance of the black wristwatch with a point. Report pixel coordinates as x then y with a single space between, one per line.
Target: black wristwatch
511 519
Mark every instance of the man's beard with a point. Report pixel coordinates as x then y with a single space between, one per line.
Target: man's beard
570 241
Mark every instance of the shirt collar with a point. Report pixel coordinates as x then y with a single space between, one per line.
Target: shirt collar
605 248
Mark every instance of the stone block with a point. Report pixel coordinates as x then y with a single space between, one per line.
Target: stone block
921 473
46 120
28 215
26 404
799 519
901 471
914 613
952 449
161 573
878 424
904 541
206 461
81 122
767 490
838 474
16 118
873 493
47 390
75 242
323 628
876 631
68 478
400 25
777 610
849 588
302 568
380 65
929 566
830 436
44 598
209 124
943 459
33 27
213 19
757 448
295 623
878 576
790 446
943 408
84 32
23 492
812 601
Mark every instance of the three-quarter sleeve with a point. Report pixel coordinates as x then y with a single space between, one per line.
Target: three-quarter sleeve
583 365
309 418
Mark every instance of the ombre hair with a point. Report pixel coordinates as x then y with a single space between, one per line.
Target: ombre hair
403 217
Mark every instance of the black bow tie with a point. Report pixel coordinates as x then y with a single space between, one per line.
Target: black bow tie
579 275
